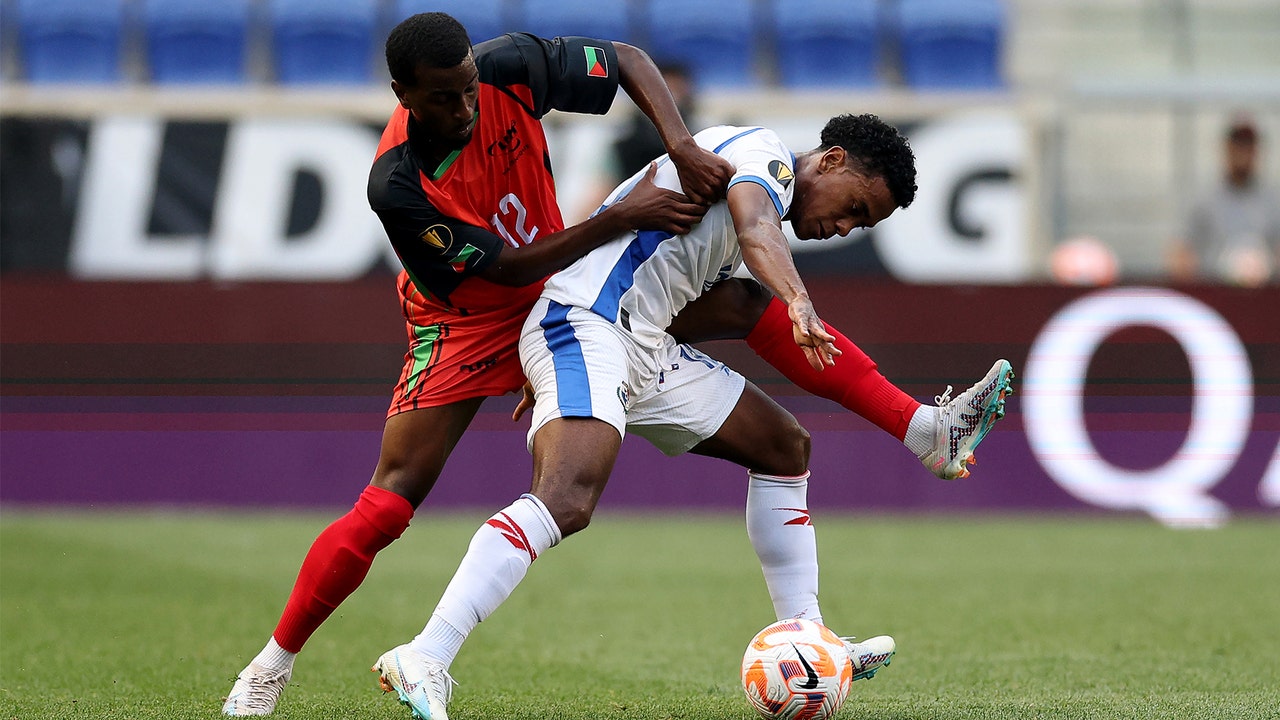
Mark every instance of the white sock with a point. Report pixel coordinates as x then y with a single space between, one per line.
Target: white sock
500 554
274 657
920 431
782 534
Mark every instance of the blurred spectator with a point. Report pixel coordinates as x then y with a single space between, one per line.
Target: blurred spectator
1085 261
638 141
1233 232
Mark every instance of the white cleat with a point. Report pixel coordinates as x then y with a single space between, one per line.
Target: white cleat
868 656
422 683
963 422
256 692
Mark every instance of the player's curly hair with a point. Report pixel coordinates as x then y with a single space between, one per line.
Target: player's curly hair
433 39
877 148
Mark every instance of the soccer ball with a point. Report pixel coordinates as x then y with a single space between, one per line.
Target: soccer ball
796 670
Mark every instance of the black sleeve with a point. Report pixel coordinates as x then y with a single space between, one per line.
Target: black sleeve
570 74
438 250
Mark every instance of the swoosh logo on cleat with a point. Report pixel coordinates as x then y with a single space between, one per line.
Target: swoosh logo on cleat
811 681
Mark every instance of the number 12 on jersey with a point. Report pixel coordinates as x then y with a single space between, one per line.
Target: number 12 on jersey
508 207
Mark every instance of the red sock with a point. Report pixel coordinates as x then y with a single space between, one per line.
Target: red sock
338 561
853 381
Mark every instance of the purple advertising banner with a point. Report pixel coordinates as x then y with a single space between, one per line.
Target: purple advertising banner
1157 400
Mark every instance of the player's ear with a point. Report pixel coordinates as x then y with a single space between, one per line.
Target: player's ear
833 158
399 90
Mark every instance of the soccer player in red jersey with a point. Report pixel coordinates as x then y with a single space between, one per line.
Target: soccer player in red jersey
463 185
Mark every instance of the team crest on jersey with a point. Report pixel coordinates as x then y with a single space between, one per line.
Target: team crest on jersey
781 173
439 237
597 62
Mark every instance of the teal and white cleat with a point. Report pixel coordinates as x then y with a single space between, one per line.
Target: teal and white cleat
962 423
256 692
422 683
868 656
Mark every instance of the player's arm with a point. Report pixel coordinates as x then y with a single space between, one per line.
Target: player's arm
646 207
767 255
703 174
441 251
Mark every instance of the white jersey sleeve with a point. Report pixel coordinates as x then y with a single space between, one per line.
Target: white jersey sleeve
641 280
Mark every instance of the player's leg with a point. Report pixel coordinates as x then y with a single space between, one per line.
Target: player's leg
572 461
767 440
943 437
740 308
575 370
415 445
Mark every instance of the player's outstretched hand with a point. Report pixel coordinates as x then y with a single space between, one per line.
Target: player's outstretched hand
704 175
649 207
811 334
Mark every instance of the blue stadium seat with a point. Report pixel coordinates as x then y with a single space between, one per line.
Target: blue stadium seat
714 38
821 43
484 19
197 41
70 41
951 44
323 42
592 18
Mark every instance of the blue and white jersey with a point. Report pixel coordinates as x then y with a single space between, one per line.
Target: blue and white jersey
641 280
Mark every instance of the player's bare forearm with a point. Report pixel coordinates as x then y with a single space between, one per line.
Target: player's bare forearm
646 207
703 174
767 255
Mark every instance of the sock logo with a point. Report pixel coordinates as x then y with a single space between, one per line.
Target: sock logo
804 518
513 533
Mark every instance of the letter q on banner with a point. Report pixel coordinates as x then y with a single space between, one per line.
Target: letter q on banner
1175 493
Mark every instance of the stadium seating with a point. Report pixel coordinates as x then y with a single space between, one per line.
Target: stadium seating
69 41
196 41
323 42
550 18
484 19
951 44
715 39
827 42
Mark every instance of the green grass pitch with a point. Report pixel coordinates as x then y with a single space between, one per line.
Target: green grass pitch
151 615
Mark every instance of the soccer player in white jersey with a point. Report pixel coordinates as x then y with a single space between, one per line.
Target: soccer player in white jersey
600 363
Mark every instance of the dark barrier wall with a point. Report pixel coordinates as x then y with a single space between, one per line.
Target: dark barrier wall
1165 401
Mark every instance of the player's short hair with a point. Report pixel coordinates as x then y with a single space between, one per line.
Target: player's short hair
878 148
433 39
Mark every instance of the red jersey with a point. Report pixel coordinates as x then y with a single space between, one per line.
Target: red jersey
448 222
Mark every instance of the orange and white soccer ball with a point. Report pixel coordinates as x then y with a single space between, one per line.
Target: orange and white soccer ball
796 670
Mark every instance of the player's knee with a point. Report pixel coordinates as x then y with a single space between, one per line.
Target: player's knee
793 445
571 507
755 298
750 299
407 481
572 517
801 443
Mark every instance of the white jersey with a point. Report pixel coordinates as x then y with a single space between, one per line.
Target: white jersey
641 280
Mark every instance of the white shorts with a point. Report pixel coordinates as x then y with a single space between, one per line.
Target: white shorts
582 365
